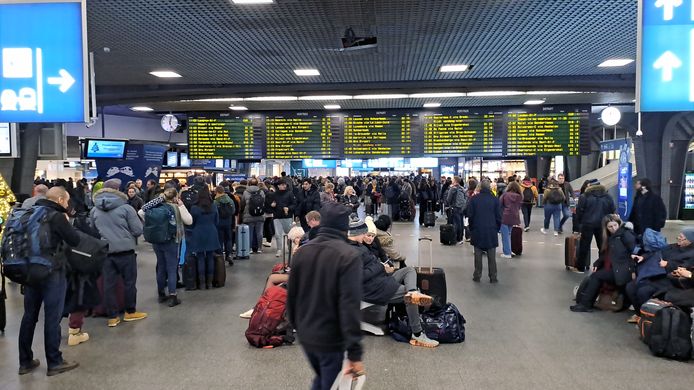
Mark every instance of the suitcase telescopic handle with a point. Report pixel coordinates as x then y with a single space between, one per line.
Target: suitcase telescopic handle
431 253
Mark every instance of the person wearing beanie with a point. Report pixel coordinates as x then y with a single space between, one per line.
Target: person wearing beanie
594 205
383 224
324 297
371 241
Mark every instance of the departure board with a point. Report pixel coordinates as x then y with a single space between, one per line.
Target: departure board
223 135
463 133
303 136
552 131
378 135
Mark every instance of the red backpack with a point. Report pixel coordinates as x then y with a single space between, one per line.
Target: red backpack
269 326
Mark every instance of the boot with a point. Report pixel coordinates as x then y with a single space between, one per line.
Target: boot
173 300
230 260
76 336
162 296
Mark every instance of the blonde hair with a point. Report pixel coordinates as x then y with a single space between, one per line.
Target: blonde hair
295 233
348 190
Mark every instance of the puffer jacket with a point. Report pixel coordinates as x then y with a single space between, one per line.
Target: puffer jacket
378 286
620 247
593 206
386 240
116 221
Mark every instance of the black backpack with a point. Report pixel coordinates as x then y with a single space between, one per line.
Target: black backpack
88 257
226 210
256 204
528 195
670 334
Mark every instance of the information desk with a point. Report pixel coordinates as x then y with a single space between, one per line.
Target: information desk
303 136
463 133
378 135
552 131
222 135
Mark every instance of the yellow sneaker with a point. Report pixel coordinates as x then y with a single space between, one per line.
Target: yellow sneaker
113 322
417 298
136 316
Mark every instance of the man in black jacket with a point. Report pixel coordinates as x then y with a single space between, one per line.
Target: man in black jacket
324 295
649 210
568 191
283 206
307 200
51 292
592 206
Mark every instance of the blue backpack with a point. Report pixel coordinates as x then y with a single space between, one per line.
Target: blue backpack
160 224
26 236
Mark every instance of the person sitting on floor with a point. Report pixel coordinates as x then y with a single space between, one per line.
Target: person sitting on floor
313 222
383 224
650 277
371 241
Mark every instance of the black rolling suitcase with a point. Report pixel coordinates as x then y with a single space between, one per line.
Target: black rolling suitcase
429 215
405 212
430 280
447 233
190 273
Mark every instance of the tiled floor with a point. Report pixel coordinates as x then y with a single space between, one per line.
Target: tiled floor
520 335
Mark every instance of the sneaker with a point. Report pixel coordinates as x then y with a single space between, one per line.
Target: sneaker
173 301
113 322
460 243
267 244
423 341
259 251
634 319
556 234
31 367
246 315
526 229
136 316
580 309
493 281
417 298
278 254
76 337
576 270
63 367
476 280
503 256
543 231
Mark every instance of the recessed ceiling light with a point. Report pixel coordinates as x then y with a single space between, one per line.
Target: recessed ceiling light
553 92
252 1
496 93
454 68
165 74
534 102
616 62
432 105
238 108
212 100
271 98
326 97
142 109
436 95
382 96
307 72
332 106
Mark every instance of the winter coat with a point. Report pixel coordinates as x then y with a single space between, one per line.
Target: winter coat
678 257
648 212
327 198
386 241
553 195
116 221
307 201
151 193
377 250
60 231
593 206
620 247
225 199
204 236
484 213
183 217
351 201
247 217
283 199
567 190
392 193
136 202
378 286
510 206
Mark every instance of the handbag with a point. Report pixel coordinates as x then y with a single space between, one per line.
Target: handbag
347 381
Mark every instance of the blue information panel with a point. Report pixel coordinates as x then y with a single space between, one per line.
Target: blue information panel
666 62
105 149
43 62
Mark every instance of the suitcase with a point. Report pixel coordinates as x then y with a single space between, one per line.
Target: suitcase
517 240
190 273
429 215
539 201
430 280
447 233
571 250
220 271
243 242
100 310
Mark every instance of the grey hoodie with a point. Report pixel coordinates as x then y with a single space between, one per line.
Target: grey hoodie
247 217
116 220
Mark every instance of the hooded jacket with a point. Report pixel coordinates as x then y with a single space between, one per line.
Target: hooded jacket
529 185
510 206
593 206
620 247
386 241
307 201
116 221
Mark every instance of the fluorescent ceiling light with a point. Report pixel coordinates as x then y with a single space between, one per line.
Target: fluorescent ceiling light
142 109
271 98
437 95
326 97
213 100
166 74
553 92
432 105
616 62
332 106
182 144
252 1
454 68
307 72
534 102
382 96
496 93
238 108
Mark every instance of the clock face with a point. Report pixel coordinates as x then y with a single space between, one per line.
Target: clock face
611 116
169 123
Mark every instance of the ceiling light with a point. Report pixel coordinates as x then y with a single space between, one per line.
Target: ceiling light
553 92
238 108
326 97
166 74
432 105
496 93
382 96
142 109
212 100
616 62
534 102
454 68
252 1
307 72
332 107
182 144
271 98
437 95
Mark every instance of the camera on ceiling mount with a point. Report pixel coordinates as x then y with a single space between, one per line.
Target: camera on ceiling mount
352 42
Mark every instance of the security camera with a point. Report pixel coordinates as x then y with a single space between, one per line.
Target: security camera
91 122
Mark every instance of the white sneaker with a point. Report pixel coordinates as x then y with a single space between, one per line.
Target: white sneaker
278 254
543 231
526 229
423 341
506 256
267 244
556 234
246 314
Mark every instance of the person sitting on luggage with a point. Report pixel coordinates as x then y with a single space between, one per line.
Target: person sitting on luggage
371 241
382 284
650 277
614 265
383 224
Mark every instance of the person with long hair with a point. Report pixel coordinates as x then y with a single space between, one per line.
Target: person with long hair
204 240
510 201
350 199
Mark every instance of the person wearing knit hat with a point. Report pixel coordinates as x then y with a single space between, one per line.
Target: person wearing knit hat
383 224
357 227
371 226
113 184
371 241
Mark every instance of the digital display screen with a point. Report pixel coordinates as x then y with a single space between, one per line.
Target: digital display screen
689 191
303 136
185 161
380 134
171 159
463 133
552 131
223 135
105 148
5 140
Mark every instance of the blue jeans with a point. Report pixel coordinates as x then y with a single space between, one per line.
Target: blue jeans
205 266
457 222
256 232
124 265
167 265
327 366
52 294
553 211
506 239
566 214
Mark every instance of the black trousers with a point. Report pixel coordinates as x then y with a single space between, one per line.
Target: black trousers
595 281
587 234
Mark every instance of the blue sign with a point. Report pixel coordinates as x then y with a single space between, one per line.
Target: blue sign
666 79
142 161
43 68
612 144
105 149
624 187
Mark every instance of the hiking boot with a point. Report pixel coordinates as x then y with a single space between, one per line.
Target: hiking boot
162 296
135 316
580 309
76 337
113 322
423 341
417 298
174 301
246 314
23 370
63 367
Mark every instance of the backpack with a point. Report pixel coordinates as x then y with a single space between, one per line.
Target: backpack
269 326
445 325
670 334
528 195
256 204
226 210
460 202
26 236
160 224
88 257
